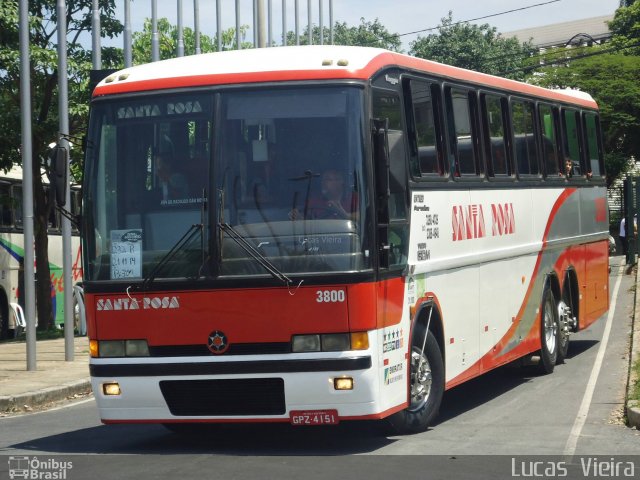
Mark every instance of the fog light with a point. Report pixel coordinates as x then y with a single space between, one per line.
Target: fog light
111 388
344 383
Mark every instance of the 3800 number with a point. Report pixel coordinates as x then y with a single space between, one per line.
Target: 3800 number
330 296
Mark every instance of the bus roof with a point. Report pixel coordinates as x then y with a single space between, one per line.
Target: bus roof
318 62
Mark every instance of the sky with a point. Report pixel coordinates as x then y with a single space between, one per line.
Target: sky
399 16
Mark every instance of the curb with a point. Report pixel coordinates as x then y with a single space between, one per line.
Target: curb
632 407
42 397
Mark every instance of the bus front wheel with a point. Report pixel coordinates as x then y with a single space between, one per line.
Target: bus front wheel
549 332
426 386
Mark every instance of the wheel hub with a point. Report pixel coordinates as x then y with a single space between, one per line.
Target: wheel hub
421 379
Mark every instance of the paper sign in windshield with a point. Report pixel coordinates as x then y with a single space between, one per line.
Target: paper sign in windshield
126 253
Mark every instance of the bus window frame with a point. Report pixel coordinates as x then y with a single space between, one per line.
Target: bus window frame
555 114
384 222
486 135
452 137
536 134
580 141
583 114
435 88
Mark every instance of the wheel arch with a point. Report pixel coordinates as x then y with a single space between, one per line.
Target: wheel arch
571 282
436 327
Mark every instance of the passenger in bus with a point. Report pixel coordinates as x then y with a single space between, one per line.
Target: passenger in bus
334 202
171 185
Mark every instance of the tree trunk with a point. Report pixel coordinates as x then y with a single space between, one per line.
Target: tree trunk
41 206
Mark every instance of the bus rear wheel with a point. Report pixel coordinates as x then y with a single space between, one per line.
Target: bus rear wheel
426 386
549 332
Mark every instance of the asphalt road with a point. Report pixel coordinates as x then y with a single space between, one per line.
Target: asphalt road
574 415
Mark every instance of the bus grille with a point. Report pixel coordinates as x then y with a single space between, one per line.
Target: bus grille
246 396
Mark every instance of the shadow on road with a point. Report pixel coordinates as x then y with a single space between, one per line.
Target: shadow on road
273 439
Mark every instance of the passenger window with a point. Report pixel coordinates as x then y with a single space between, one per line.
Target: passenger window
5 205
549 141
427 158
571 143
494 114
461 131
594 147
524 141
17 205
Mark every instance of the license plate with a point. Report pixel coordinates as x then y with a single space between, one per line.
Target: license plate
314 417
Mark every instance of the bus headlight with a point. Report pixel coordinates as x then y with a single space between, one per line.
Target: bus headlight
330 342
123 348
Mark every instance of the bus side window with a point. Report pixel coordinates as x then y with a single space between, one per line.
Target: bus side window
549 136
426 155
571 143
494 113
594 144
461 135
524 139
5 205
16 194
387 104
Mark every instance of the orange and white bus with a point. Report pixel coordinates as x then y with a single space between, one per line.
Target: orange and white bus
318 234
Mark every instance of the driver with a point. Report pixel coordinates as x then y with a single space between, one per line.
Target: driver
334 202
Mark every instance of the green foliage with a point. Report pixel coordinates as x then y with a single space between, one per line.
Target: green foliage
168 41
367 34
475 47
625 28
44 101
612 80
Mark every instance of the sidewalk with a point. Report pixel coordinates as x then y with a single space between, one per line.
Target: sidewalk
54 380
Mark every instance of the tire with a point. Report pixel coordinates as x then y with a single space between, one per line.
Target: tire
549 332
564 318
426 386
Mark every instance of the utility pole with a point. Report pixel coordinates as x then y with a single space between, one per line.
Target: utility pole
238 36
128 54
284 23
331 22
180 51
27 184
219 25
261 25
196 25
321 22
269 24
63 126
310 25
297 14
95 35
155 41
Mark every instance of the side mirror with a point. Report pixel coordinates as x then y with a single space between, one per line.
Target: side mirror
58 165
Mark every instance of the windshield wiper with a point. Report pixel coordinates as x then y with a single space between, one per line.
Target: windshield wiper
247 246
180 244
184 240
254 252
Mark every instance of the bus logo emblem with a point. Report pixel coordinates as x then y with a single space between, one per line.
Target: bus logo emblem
217 342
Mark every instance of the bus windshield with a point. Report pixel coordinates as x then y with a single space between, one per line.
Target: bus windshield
276 171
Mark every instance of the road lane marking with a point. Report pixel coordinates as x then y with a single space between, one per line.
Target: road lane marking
581 417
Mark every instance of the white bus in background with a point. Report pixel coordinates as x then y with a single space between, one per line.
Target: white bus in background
12 255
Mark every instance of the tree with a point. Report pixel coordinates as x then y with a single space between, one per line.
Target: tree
168 41
475 47
367 34
625 29
612 80
44 83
